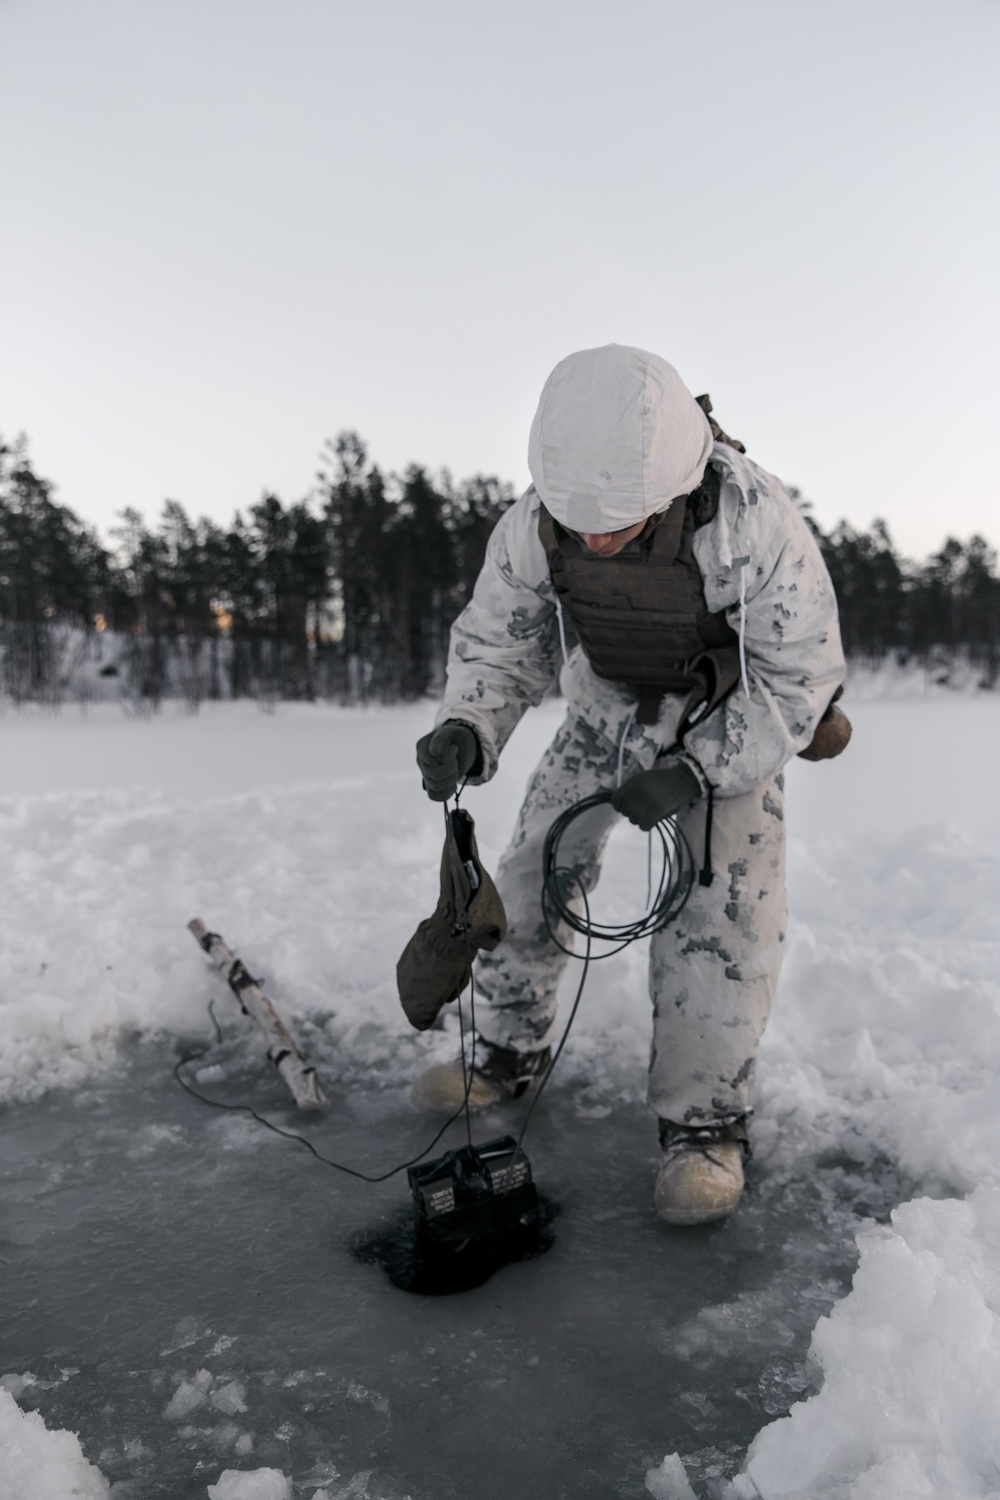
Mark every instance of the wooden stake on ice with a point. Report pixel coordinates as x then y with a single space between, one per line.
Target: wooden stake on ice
281 1049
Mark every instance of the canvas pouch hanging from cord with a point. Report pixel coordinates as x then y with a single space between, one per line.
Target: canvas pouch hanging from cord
436 964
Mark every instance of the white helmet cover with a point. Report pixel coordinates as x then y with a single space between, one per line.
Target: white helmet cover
617 436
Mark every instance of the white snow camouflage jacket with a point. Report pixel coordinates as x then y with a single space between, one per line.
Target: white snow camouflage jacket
505 645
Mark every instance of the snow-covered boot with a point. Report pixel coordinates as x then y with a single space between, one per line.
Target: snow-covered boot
499 1074
701 1172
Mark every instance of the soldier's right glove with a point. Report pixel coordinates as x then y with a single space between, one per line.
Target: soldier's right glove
649 796
445 757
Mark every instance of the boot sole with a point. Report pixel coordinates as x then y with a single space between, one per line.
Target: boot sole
681 1220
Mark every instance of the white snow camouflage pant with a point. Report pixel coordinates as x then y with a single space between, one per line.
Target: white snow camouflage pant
712 971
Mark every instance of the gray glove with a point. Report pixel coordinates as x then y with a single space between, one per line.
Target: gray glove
650 796
445 757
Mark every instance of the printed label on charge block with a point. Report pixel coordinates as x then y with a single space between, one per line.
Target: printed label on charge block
439 1200
506 1179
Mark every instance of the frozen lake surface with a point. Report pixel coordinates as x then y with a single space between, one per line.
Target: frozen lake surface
179 1286
174 1240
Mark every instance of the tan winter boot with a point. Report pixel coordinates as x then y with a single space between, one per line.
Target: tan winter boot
701 1172
499 1074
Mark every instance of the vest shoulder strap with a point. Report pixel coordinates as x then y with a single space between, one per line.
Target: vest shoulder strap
704 502
546 529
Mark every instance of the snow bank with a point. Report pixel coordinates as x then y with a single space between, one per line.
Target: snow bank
911 1362
886 1037
36 1464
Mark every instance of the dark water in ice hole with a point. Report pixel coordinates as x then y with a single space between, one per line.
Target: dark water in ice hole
145 1237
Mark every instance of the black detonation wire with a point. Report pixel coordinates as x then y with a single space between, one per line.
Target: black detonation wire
587 955
291 1135
674 888
468 1067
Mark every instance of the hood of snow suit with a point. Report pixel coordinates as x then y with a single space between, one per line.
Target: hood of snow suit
616 437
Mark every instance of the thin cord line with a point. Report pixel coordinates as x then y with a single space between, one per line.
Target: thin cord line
291 1135
468 1068
566 1029
673 889
301 1140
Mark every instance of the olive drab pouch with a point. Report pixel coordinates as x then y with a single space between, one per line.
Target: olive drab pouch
436 964
833 733
714 674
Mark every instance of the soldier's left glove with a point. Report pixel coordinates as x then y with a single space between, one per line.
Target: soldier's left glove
650 796
445 756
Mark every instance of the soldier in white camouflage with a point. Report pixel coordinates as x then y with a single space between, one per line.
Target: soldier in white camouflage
708 654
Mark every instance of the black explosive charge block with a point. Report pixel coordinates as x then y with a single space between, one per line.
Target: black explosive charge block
475 1210
474 1194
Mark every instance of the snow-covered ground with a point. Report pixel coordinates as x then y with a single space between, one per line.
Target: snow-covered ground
303 837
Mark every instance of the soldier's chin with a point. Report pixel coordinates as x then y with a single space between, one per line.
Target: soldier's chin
607 543
611 545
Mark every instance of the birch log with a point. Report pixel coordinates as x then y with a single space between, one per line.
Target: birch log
281 1049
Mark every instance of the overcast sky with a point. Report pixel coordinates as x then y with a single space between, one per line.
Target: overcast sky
233 227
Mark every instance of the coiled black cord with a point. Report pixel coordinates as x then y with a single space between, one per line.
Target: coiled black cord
562 886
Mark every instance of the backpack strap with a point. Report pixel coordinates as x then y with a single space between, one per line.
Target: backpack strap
705 402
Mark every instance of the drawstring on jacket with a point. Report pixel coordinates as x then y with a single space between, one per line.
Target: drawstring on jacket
743 623
621 743
562 630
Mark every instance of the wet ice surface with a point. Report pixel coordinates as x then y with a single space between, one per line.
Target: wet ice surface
182 1284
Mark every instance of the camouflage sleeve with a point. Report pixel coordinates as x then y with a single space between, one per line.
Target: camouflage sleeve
794 658
504 652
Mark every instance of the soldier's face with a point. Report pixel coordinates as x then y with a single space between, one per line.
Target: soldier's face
609 543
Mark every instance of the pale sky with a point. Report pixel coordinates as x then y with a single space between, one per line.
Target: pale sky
233 227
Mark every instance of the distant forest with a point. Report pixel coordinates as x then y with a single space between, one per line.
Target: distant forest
349 595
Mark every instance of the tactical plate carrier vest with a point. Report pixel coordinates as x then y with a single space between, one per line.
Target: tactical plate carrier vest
641 617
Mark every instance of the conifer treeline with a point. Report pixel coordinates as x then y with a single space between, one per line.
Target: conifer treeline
349 595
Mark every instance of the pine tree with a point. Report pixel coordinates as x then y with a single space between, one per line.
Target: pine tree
361 617
870 585
52 568
144 566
